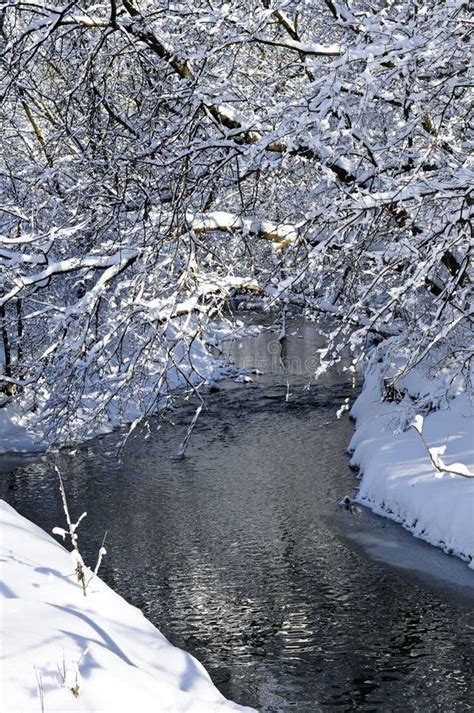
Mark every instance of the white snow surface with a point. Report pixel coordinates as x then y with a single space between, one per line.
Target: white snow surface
14 435
399 480
53 634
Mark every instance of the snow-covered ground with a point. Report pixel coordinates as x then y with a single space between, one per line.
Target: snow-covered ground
399 479
63 651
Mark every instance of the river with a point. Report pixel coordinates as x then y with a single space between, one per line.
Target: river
240 554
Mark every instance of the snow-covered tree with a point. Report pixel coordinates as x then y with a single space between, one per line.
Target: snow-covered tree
158 157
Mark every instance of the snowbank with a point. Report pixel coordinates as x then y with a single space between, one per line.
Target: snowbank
94 653
398 478
14 433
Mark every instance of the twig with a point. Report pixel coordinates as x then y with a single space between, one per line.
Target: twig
435 459
181 450
39 688
72 532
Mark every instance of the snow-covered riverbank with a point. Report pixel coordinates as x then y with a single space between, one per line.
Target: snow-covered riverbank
65 652
399 480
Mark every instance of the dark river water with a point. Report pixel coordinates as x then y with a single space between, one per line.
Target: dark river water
240 554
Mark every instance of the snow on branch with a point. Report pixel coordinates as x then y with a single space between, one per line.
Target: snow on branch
215 221
113 264
310 48
435 453
152 122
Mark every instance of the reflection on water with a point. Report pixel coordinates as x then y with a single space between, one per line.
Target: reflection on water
239 553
